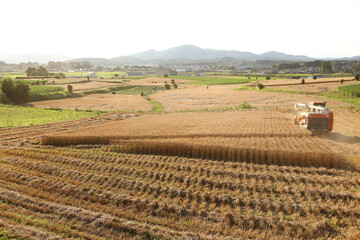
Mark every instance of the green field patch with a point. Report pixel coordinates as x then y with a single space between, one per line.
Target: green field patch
15 116
40 88
102 74
336 95
41 93
350 90
137 90
213 80
268 89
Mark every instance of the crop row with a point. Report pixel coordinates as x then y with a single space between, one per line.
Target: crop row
241 183
180 125
118 179
103 153
144 206
271 151
13 135
165 194
196 169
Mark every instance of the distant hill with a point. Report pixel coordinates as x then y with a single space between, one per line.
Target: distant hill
196 53
109 62
126 60
282 56
188 54
33 57
94 61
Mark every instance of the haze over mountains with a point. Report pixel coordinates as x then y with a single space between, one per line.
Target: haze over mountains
33 57
183 53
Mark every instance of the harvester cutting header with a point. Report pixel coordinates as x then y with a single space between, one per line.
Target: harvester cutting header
318 118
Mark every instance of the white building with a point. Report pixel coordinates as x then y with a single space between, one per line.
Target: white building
91 75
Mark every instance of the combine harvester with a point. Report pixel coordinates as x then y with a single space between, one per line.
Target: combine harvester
318 118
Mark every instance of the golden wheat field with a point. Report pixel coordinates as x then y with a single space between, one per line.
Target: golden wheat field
310 81
90 85
102 102
224 96
189 124
248 174
316 87
97 193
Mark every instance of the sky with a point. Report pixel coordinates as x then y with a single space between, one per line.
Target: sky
112 28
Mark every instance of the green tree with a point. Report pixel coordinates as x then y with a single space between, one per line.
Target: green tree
357 77
29 70
70 88
167 86
18 93
22 93
357 68
41 71
325 67
7 87
260 86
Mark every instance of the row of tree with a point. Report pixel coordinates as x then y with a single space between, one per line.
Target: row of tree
17 92
324 67
41 71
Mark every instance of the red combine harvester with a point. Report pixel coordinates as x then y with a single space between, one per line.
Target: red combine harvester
318 118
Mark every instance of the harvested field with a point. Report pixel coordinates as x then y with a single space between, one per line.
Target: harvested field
156 81
203 124
92 85
99 194
316 88
292 151
287 82
102 102
194 175
20 136
214 97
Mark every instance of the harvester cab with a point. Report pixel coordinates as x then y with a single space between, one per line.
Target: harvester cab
315 117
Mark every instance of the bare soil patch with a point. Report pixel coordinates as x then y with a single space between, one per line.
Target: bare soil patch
285 82
222 96
318 87
103 102
90 85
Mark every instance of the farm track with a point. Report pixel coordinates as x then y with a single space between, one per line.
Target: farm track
99 194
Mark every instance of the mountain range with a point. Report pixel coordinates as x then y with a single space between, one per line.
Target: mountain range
180 54
33 57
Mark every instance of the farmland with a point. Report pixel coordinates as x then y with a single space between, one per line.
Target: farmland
353 90
100 102
14 116
224 96
206 169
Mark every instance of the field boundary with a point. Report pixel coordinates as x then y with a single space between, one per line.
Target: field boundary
295 84
256 155
59 140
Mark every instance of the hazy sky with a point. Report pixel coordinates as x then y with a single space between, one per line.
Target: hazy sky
109 28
